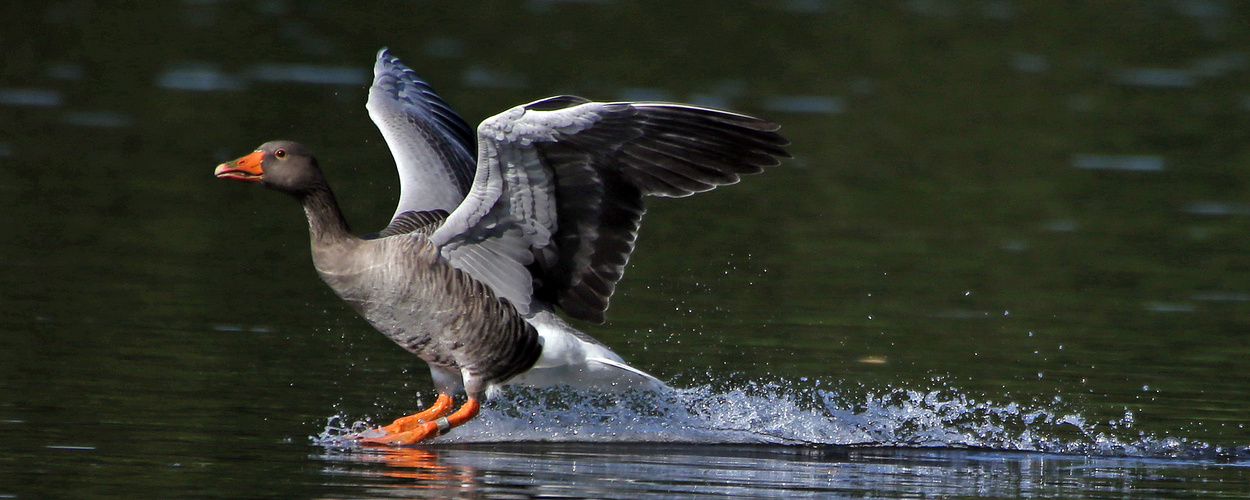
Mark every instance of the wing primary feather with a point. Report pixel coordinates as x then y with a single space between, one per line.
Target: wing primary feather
696 169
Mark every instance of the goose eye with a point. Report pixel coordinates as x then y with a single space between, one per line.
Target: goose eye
281 153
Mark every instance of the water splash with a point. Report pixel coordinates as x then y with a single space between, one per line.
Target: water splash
785 413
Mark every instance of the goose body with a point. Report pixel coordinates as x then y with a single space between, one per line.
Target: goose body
482 251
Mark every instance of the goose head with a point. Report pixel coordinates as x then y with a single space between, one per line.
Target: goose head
285 166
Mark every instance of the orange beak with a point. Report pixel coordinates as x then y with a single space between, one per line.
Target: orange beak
245 169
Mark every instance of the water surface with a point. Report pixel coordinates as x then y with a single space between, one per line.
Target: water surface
1008 259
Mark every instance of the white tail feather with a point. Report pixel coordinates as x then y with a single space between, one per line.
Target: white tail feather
568 359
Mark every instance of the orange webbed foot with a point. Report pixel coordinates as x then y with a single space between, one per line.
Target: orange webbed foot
423 429
441 407
422 432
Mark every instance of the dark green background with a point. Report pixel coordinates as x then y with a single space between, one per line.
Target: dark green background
935 216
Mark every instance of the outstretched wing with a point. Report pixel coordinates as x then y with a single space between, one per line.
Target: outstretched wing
433 147
557 199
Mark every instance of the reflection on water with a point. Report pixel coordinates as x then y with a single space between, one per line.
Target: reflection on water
1216 208
30 97
486 78
1128 163
199 77
710 471
413 471
307 73
1155 77
99 119
64 71
805 104
203 77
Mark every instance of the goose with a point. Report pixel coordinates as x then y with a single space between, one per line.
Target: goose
492 235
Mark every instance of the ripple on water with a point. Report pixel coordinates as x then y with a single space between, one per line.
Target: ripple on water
30 97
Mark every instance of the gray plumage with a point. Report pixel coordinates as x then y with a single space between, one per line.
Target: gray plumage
407 292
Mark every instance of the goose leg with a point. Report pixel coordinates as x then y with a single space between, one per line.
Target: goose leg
441 407
430 429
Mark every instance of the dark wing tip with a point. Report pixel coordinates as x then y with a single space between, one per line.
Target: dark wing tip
690 149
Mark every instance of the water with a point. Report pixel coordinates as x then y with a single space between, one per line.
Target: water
1007 260
717 471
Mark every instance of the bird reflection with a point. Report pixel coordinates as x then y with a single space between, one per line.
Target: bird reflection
418 473
423 465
